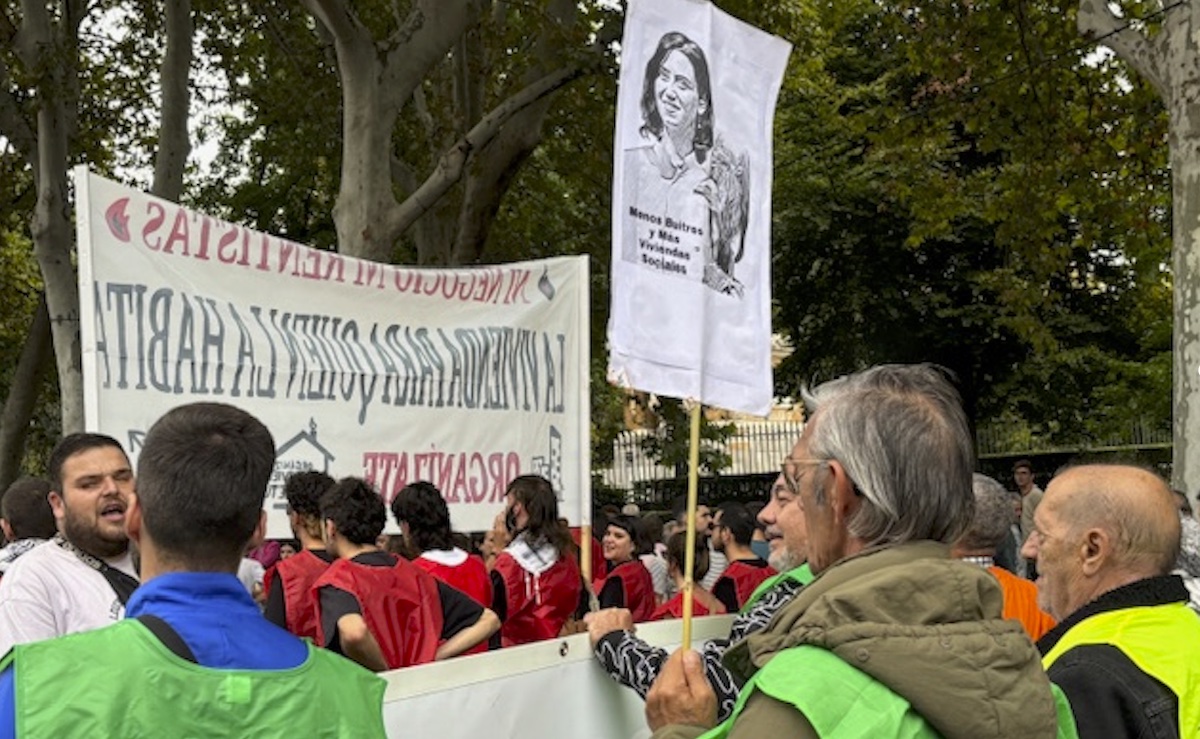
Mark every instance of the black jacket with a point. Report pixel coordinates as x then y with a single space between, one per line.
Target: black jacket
1110 697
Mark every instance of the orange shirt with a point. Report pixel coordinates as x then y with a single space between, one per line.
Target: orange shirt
1020 603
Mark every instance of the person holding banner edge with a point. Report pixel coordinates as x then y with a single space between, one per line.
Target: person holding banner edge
881 478
635 664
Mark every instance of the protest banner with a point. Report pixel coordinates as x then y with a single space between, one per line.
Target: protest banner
462 377
691 207
545 690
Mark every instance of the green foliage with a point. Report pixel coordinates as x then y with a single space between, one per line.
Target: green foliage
671 443
960 183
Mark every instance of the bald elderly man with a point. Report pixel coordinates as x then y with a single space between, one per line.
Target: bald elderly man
1127 647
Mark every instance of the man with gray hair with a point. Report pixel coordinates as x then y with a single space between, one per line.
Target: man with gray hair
994 513
894 637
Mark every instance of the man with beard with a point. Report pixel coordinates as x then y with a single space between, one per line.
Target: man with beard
893 637
80 579
635 664
195 657
732 532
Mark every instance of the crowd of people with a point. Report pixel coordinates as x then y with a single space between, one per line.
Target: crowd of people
882 588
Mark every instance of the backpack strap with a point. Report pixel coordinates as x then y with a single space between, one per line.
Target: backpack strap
168 636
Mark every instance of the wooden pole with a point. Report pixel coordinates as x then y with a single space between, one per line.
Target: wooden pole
690 551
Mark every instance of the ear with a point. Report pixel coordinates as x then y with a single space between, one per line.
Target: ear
330 530
133 519
8 533
260 531
57 505
1094 551
843 498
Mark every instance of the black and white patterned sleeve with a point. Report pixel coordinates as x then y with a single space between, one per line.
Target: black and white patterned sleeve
635 664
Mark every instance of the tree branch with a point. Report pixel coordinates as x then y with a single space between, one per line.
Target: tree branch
36 358
422 41
14 123
339 19
1097 21
452 163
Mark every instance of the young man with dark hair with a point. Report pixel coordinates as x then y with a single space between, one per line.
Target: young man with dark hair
733 530
26 517
291 602
81 579
379 609
1031 498
535 581
717 561
203 474
424 520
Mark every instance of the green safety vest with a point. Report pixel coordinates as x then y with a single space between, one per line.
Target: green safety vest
801 574
1163 641
122 681
843 702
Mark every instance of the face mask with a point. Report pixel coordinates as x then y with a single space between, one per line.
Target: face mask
510 521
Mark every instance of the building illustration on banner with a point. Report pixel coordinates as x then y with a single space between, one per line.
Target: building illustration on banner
551 465
300 453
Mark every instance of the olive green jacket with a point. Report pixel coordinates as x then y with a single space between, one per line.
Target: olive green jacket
925 625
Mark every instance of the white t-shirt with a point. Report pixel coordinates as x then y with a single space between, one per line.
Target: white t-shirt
49 592
251 573
717 562
658 574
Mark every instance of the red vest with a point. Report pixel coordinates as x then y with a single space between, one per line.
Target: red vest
471 577
746 578
674 608
638 588
297 574
538 605
400 605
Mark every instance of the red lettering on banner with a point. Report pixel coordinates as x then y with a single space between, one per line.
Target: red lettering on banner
152 225
194 235
466 478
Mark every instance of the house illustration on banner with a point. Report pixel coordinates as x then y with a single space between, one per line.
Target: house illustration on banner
300 453
550 466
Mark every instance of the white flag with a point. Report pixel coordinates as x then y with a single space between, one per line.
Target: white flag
691 216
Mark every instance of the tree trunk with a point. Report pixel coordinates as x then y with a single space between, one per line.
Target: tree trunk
23 394
173 142
1170 61
51 48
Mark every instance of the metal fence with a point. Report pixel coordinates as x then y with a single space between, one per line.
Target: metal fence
1007 441
755 448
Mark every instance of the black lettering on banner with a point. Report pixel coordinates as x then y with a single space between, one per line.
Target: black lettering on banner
179 343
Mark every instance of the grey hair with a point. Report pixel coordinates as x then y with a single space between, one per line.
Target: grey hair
994 515
902 436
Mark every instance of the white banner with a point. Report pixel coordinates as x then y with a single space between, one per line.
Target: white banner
465 378
692 205
548 690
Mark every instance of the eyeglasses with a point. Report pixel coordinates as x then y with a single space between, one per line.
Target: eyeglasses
791 471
